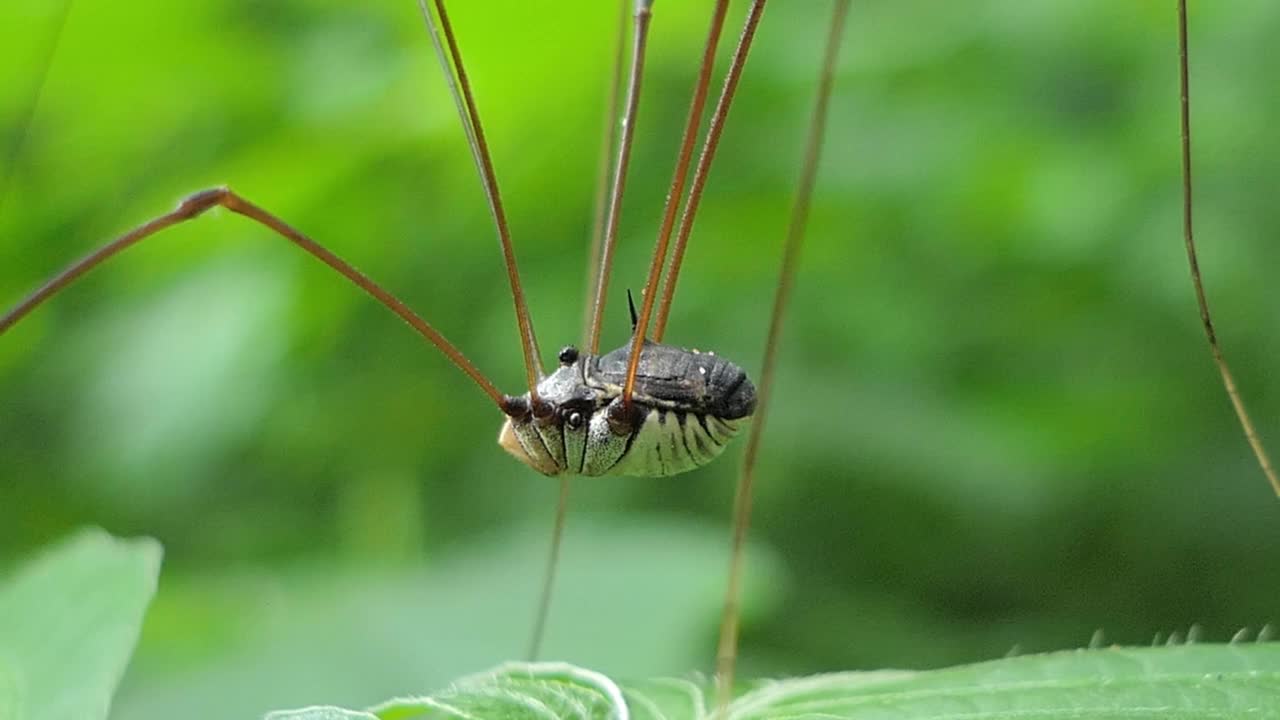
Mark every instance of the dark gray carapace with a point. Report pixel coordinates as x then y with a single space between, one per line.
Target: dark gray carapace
686 407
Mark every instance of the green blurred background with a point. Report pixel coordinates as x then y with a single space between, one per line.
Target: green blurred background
996 423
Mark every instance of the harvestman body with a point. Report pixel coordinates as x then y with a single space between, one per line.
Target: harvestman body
687 406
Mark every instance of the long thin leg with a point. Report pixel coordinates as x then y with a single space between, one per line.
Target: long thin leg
1228 381
677 185
460 88
597 239
640 41
549 575
605 170
727 652
704 166
197 204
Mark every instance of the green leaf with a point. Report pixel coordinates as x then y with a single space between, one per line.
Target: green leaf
321 713
517 690
69 620
1195 681
1192 681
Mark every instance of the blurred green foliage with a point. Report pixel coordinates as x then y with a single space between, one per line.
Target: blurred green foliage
996 423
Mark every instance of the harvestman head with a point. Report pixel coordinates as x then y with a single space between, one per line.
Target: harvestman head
644 409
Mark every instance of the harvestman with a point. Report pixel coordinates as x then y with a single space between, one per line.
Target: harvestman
644 409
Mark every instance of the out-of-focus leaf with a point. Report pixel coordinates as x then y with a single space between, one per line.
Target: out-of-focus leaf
68 622
321 713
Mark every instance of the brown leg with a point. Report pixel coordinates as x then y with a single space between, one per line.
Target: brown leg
677 185
727 652
639 43
699 183
195 205
1228 380
460 87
